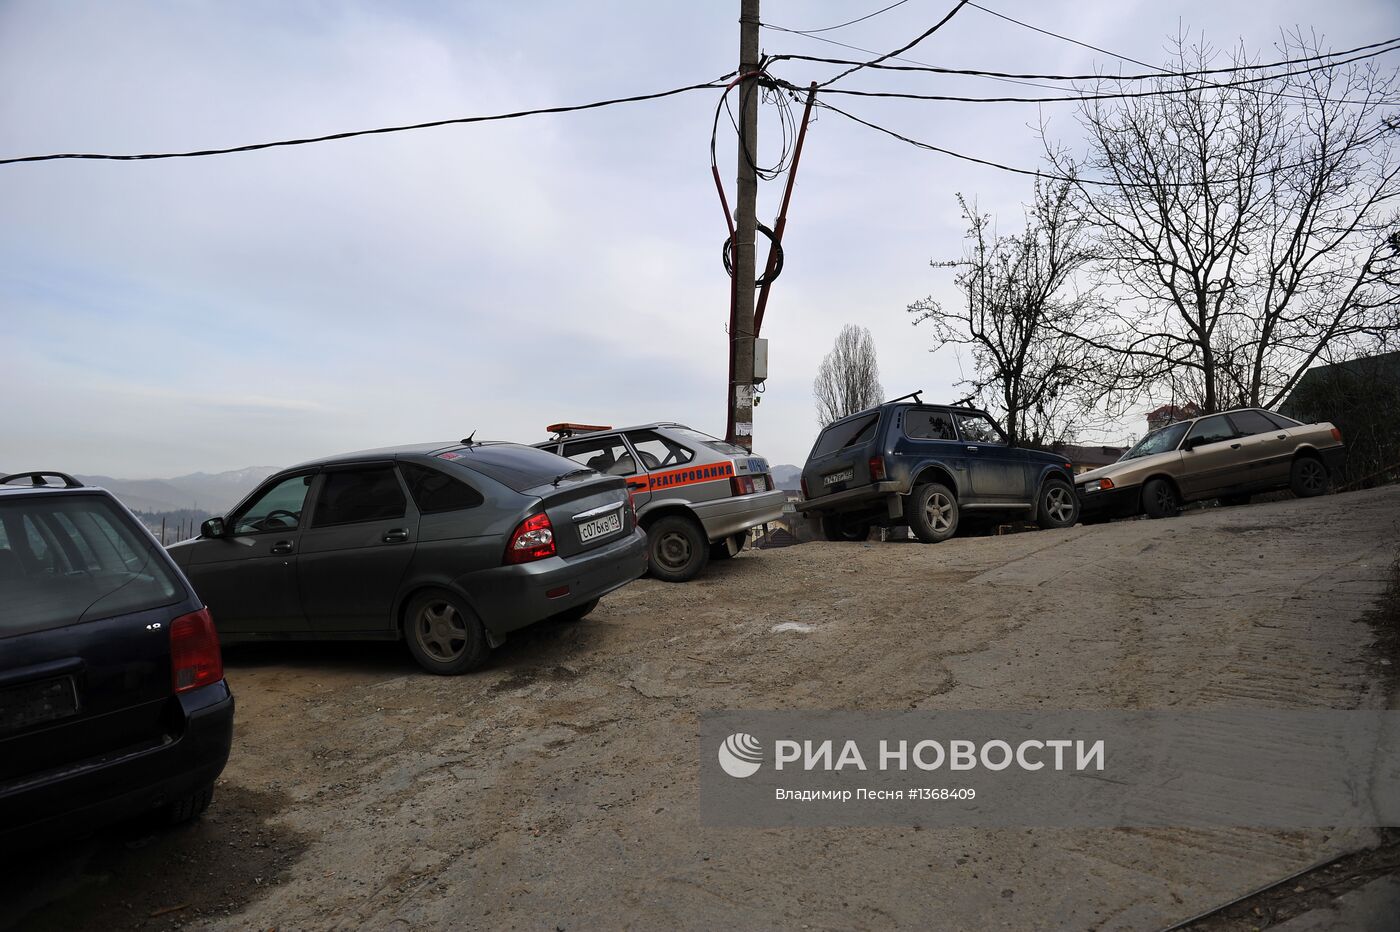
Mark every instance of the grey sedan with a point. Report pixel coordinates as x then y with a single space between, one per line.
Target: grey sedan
447 546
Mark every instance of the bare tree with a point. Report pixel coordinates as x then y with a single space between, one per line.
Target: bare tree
1250 227
1021 314
848 379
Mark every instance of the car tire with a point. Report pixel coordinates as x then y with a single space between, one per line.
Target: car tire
443 634
677 550
1159 499
188 808
1058 506
837 528
578 612
1308 477
931 511
1230 501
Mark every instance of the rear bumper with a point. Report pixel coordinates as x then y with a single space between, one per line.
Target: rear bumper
87 794
511 597
727 516
1115 503
864 498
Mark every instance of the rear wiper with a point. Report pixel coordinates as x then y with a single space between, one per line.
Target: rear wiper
577 472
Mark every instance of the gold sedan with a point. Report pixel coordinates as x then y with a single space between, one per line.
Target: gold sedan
1228 456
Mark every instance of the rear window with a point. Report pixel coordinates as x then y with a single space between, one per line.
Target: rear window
71 558
516 467
846 434
705 440
353 496
435 492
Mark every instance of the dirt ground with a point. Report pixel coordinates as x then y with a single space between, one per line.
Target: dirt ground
557 788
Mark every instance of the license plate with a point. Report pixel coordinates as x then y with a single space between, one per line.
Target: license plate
600 527
841 476
32 703
760 484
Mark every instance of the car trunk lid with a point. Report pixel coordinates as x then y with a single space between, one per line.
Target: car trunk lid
586 510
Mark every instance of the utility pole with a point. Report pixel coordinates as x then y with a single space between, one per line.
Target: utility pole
741 334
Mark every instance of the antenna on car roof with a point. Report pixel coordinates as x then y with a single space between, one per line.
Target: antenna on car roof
914 395
469 439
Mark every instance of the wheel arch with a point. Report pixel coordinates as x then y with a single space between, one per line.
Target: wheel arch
1166 477
936 472
650 514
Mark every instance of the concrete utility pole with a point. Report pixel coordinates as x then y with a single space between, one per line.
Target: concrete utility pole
745 208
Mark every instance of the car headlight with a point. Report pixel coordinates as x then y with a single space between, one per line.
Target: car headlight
1097 485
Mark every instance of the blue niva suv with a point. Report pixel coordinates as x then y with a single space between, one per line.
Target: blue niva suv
934 468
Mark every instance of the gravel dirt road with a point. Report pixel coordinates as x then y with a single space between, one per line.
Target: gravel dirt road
557 789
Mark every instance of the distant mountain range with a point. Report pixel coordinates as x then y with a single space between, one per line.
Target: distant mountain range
214 493
787 477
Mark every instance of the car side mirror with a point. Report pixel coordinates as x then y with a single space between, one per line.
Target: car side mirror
1190 444
214 527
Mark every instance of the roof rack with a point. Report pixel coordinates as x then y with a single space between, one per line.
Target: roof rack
565 430
37 480
914 395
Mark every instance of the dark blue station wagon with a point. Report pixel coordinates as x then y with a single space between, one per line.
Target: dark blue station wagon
934 468
112 694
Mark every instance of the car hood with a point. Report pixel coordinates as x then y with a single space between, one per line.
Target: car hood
1114 470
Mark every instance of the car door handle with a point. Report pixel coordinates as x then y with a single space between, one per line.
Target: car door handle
970 449
1283 436
282 546
1235 446
397 536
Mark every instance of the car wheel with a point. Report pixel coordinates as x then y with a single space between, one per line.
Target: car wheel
1232 500
837 528
189 808
1159 499
578 612
1059 506
931 511
444 636
1308 478
676 549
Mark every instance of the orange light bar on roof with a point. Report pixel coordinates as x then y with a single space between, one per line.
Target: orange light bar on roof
576 428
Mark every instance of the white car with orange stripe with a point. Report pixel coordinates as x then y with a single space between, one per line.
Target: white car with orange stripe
696 496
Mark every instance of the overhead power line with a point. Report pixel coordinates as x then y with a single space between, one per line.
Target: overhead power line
1055 176
1121 95
903 48
252 147
1099 76
860 19
1056 35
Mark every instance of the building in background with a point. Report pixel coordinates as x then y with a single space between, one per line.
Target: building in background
1170 414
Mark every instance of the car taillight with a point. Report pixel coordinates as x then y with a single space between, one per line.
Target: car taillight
877 468
741 485
532 540
1336 435
195 659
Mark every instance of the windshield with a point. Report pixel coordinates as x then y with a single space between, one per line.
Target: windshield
66 559
1161 441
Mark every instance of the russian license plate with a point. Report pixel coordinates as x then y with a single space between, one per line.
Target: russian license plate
841 476
32 703
600 527
760 484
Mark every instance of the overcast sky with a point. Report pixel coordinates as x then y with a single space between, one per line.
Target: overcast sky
164 317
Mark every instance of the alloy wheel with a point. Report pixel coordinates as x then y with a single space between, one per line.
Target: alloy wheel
1060 503
442 631
1311 474
939 512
